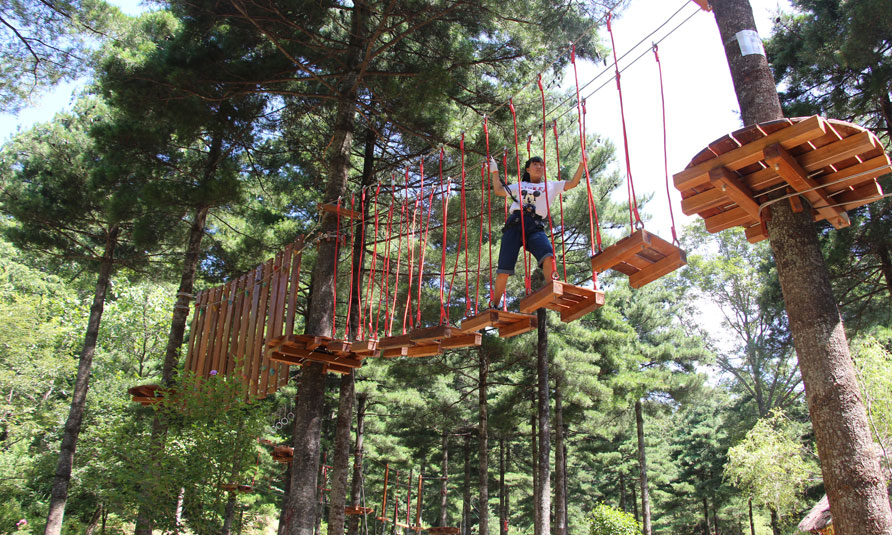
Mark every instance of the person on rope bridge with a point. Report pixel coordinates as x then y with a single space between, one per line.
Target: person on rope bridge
531 191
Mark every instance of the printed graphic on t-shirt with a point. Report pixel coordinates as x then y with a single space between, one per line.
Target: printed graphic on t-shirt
533 196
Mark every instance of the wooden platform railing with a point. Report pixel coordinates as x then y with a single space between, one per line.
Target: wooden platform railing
232 323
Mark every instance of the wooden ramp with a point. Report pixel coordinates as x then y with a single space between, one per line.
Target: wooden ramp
573 302
145 395
833 164
508 323
643 256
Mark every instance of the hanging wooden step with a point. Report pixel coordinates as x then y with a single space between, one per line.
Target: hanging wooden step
283 454
297 349
461 340
643 256
145 395
365 348
393 342
419 350
357 510
833 164
443 530
508 323
573 302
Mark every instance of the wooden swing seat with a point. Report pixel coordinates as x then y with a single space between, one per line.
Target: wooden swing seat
145 395
728 182
357 510
443 530
283 454
508 323
643 256
297 349
573 302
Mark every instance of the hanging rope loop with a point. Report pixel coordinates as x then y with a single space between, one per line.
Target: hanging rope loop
665 150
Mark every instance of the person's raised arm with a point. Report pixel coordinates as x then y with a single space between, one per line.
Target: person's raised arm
497 186
575 180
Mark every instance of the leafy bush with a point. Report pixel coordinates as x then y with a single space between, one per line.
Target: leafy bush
607 520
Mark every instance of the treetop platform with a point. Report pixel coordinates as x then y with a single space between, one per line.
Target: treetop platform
831 163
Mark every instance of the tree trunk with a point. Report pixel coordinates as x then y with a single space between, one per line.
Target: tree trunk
65 464
144 521
560 503
483 450
444 482
534 441
94 520
501 485
341 460
299 513
228 515
507 492
622 491
356 487
634 501
544 505
885 265
715 517
178 512
286 493
466 495
706 526
850 466
752 524
642 471
775 522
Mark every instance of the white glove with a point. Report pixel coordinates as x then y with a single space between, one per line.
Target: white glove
493 166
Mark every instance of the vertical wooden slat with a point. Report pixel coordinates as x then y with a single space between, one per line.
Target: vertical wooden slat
193 333
281 299
213 331
205 315
247 312
237 297
216 355
273 296
259 322
252 366
294 285
221 352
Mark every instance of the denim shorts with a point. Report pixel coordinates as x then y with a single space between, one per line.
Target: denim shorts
536 241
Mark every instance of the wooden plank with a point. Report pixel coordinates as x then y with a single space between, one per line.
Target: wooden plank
193 333
545 296
395 352
259 353
339 347
241 349
427 334
583 308
620 251
465 340
423 350
200 342
391 342
280 285
273 286
797 177
225 355
863 194
728 219
206 316
333 208
852 176
316 356
480 321
518 327
835 152
365 347
294 285
257 289
658 269
726 181
236 298
799 133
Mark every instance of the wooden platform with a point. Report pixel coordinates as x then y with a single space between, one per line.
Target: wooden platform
573 302
283 454
345 212
508 323
145 395
728 181
643 256
298 349
357 510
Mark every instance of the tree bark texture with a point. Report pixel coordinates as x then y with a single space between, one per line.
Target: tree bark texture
466 495
560 504
502 486
228 514
622 491
752 524
544 505
642 470
706 527
483 449
341 461
356 497
775 522
444 482
65 464
534 448
299 513
850 467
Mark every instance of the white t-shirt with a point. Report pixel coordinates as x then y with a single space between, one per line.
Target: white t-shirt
533 195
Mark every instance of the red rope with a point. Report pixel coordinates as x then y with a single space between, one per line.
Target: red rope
557 152
444 200
464 224
505 167
529 144
665 151
526 265
370 294
411 252
404 216
386 274
593 223
634 218
423 243
554 274
359 334
488 189
334 280
480 237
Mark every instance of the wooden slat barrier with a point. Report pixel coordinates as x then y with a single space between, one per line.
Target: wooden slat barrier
232 323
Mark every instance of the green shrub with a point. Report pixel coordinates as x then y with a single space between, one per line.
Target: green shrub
607 520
